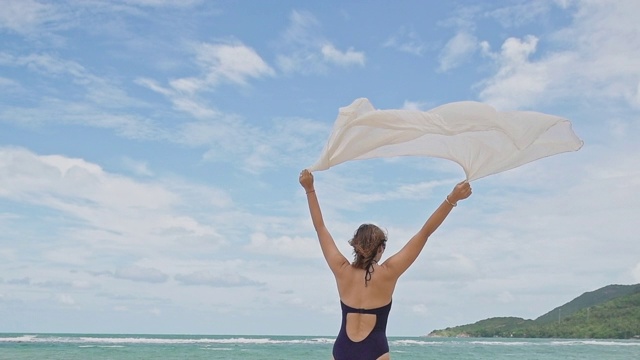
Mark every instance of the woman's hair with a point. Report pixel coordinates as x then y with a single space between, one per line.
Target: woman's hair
366 241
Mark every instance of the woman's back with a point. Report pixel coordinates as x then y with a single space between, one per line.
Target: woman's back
365 311
354 292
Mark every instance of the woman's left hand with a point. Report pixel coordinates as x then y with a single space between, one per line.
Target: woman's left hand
460 192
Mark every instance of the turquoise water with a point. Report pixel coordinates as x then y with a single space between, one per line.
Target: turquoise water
141 347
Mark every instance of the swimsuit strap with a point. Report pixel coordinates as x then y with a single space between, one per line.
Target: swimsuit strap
382 309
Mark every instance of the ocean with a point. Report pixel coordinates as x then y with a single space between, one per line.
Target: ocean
142 347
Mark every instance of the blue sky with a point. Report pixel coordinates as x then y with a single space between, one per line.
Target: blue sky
149 154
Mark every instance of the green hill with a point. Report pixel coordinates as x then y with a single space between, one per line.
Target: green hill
586 300
499 326
612 312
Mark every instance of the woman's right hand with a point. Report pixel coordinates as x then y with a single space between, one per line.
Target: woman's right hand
306 180
461 191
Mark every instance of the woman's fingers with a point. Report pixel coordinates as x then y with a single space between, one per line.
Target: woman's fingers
462 190
306 178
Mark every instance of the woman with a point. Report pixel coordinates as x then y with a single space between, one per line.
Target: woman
365 286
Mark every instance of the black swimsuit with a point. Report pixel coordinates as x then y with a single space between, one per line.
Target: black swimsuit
373 346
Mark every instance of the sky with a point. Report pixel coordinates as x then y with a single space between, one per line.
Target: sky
150 152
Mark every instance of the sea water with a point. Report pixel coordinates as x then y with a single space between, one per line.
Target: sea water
141 347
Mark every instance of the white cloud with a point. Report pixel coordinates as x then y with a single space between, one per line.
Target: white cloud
81 284
96 89
303 27
114 210
414 105
563 220
294 247
458 266
65 299
96 101
25 16
59 178
254 149
233 62
305 50
137 167
225 135
517 81
563 3
407 41
218 63
284 142
598 60
195 107
333 55
47 65
420 309
87 99
418 190
141 274
62 284
163 3
9 85
20 281
209 278
69 256
521 14
457 50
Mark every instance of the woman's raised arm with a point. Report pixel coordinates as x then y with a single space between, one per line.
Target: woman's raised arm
400 262
332 255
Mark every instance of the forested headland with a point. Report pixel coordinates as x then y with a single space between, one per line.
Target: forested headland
611 312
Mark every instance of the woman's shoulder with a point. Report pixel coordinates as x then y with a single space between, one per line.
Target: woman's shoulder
354 277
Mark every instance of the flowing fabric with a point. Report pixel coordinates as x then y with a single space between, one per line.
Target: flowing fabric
479 138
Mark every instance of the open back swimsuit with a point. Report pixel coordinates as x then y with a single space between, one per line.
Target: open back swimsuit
373 346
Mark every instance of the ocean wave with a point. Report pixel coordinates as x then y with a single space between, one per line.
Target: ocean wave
409 342
514 342
19 338
567 342
214 342
502 343
596 342
121 340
